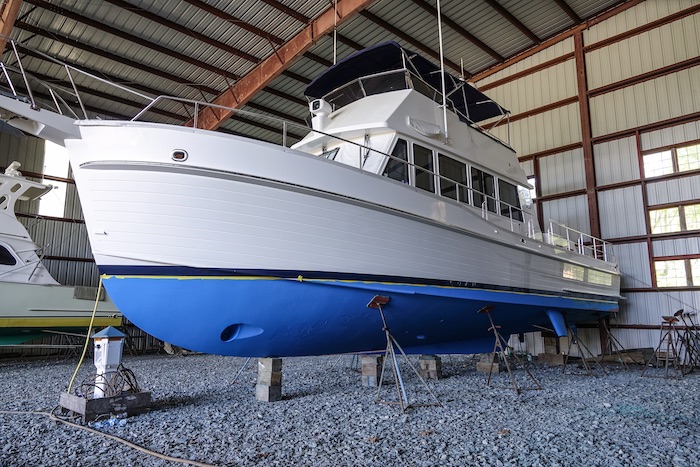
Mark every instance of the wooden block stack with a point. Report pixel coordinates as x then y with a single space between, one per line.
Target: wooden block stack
371 369
489 362
430 366
269 387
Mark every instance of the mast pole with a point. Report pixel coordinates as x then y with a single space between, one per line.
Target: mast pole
442 70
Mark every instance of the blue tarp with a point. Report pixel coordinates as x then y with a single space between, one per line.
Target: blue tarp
389 56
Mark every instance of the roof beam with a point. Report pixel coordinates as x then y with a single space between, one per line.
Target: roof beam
129 37
206 39
184 30
250 28
508 16
460 30
304 19
113 57
408 38
244 90
8 15
569 11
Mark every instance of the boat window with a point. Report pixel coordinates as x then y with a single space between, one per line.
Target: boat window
330 154
384 83
423 160
345 95
6 257
397 166
508 193
456 172
483 189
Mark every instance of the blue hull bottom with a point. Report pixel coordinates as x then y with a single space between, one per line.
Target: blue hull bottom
268 317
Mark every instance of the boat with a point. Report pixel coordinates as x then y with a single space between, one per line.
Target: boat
34 304
229 245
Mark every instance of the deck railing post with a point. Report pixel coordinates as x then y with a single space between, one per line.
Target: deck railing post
24 75
284 134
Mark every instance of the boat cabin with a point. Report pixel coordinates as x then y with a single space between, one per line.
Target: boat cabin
381 110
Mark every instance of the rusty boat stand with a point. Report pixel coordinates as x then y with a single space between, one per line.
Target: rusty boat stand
499 348
390 357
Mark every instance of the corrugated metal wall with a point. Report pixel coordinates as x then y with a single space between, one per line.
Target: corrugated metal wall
653 79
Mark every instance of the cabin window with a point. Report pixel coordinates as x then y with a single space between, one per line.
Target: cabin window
510 201
484 189
453 180
345 95
330 154
397 166
423 160
6 258
384 83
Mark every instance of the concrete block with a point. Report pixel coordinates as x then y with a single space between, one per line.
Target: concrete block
489 357
269 364
551 359
430 366
273 378
485 367
371 370
265 393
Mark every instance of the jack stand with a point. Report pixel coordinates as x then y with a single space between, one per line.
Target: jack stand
245 364
390 353
614 347
668 356
690 340
499 347
583 351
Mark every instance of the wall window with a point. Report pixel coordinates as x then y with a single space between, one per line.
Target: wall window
532 181
665 220
668 161
398 168
483 184
695 270
671 273
678 272
423 160
688 158
453 173
675 219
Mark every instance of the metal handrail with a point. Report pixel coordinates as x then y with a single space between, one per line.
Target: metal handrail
579 241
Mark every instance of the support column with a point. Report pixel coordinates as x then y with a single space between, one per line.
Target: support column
371 369
269 387
430 366
489 363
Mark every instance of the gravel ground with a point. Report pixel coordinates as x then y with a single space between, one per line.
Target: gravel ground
328 418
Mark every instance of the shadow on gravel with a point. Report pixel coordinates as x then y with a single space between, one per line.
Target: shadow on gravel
174 401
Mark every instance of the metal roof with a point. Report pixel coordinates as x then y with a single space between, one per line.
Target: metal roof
197 48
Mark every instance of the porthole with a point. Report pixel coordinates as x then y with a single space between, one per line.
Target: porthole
179 155
16 187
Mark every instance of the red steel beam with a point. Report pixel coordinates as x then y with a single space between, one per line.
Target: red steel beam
586 135
8 15
271 67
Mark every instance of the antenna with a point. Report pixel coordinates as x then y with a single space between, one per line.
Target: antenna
335 30
442 70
